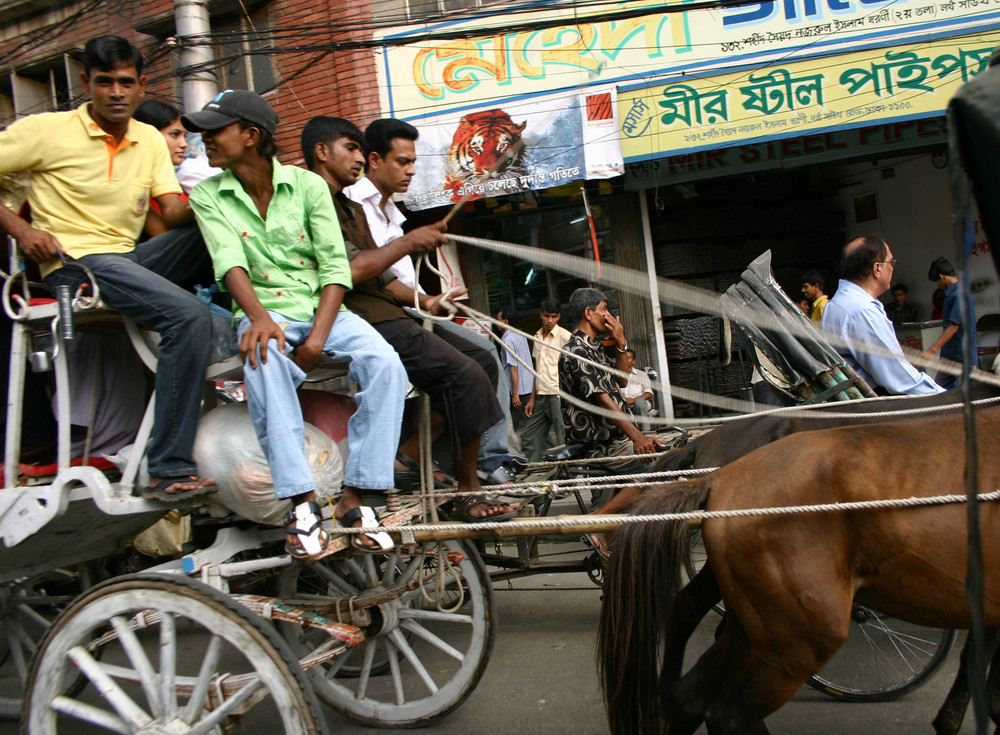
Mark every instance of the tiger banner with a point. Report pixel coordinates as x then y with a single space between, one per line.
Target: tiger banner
537 144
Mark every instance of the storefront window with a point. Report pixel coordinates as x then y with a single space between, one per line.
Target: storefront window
521 284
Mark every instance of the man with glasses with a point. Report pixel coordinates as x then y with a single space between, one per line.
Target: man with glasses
856 323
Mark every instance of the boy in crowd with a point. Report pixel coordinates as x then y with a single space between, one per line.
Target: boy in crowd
942 274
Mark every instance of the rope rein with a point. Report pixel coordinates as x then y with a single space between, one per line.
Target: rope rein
616 521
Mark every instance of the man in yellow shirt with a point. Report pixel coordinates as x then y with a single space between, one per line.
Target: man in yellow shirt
812 289
93 171
544 410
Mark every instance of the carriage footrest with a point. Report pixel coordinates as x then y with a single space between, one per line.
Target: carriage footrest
271 608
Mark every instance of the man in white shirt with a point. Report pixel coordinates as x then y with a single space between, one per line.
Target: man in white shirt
389 167
543 410
639 391
390 156
854 321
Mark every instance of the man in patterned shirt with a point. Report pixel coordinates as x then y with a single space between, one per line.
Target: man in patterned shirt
601 436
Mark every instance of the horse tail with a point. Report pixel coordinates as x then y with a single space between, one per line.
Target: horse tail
640 582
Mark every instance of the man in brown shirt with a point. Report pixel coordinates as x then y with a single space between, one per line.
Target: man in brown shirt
459 377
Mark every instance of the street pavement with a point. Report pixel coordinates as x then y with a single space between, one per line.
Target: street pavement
541 678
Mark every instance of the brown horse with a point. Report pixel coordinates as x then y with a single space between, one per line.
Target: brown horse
737 439
788 581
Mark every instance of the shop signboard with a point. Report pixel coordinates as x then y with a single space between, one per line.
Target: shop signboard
516 147
855 90
821 95
467 63
870 141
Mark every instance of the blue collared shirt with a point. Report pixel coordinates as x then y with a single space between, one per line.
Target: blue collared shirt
525 380
952 314
855 323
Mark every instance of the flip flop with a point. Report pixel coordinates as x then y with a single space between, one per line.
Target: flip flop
369 519
159 490
596 544
503 474
306 521
408 480
462 507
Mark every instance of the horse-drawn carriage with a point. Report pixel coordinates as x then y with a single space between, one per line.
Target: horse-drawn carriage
392 640
388 640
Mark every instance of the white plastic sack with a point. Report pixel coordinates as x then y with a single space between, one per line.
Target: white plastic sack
227 449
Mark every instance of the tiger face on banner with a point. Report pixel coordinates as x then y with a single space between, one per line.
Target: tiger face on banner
481 140
519 147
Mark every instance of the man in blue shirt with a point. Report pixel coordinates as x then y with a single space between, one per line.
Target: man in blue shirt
942 274
519 377
855 322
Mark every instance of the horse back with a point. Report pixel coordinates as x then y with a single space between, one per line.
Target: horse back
869 552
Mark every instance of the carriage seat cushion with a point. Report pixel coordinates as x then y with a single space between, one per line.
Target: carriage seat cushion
49 470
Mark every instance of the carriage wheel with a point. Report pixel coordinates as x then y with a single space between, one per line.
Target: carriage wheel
178 657
883 658
417 663
28 607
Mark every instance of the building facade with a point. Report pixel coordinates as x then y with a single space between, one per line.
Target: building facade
698 137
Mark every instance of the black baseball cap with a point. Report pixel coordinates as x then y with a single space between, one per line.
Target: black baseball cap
232 106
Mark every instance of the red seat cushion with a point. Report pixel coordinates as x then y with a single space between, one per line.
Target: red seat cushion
45 470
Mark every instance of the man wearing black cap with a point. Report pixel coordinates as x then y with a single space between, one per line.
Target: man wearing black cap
277 247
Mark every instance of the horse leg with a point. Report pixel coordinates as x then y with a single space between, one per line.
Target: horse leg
991 643
691 604
948 720
787 646
684 703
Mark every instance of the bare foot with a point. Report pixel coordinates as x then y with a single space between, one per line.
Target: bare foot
484 511
172 489
598 542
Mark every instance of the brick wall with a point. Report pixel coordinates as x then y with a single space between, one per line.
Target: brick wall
316 82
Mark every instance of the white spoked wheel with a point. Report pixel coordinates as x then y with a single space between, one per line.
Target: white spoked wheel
28 608
421 658
177 658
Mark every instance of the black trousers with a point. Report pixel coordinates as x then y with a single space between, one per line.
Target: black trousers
460 378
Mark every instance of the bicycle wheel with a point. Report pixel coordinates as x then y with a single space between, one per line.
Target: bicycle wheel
883 658
697 558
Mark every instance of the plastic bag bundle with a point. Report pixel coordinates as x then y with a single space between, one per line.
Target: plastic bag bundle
227 449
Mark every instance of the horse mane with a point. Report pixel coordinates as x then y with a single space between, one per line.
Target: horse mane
632 621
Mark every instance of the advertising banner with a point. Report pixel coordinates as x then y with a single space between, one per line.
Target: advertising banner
465 64
516 147
831 94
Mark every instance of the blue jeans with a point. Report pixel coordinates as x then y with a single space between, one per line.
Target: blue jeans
141 285
373 430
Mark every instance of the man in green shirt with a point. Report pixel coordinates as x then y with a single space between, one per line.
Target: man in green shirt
276 246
